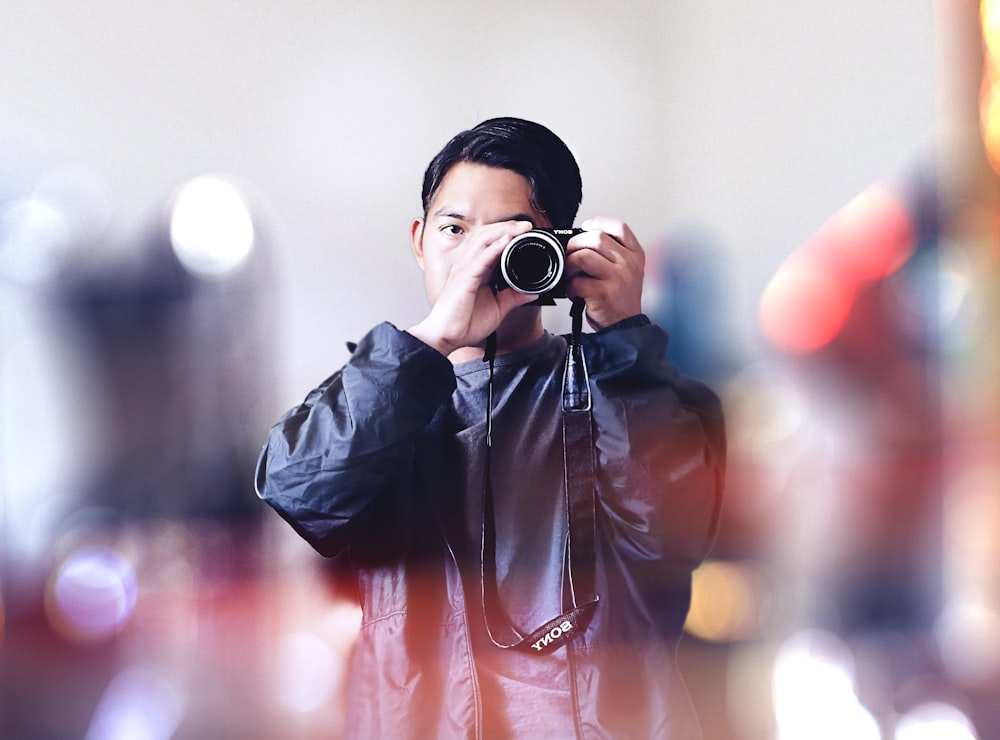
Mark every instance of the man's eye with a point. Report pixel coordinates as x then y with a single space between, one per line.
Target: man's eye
453 229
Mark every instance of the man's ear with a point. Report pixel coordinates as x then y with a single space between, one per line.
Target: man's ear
417 240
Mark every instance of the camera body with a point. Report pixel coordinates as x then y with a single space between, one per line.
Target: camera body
535 263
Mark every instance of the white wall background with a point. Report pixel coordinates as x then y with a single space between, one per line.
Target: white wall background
751 120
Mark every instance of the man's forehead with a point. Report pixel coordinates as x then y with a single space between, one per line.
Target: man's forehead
481 193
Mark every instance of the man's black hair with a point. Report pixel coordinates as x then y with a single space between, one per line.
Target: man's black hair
524 147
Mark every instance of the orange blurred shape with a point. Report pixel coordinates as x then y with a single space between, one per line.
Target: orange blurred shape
730 601
989 96
807 302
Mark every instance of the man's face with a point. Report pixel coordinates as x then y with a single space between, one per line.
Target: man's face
470 196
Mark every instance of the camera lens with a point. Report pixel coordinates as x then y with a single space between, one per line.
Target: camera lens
532 263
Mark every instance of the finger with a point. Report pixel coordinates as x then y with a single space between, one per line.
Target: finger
486 244
618 230
492 238
491 232
585 247
508 300
601 264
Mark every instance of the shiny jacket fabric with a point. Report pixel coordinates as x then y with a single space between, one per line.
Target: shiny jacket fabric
363 466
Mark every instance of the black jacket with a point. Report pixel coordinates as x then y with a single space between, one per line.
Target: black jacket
369 463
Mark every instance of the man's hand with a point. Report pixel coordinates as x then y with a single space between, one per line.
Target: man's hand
605 266
467 309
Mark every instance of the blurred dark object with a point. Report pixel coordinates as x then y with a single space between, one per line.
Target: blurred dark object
692 302
177 358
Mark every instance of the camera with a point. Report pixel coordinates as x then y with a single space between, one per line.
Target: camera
535 262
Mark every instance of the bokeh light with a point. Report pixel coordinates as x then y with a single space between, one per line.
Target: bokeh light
989 100
935 721
34 240
211 228
92 595
70 208
312 662
935 297
968 629
138 704
814 693
968 635
308 671
729 602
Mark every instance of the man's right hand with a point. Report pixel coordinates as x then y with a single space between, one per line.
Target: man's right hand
466 308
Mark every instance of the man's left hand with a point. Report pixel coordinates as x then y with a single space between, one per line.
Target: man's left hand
605 265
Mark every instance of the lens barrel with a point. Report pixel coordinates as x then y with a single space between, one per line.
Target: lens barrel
533 262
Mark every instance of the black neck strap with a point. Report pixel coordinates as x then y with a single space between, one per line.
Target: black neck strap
579 471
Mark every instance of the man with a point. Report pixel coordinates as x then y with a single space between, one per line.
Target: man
489 609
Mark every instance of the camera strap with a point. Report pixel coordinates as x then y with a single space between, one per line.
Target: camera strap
580 551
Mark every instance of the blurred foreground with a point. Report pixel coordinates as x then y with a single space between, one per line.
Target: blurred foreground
855 588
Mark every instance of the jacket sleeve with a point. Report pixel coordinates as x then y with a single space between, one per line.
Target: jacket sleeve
353 437
661 447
